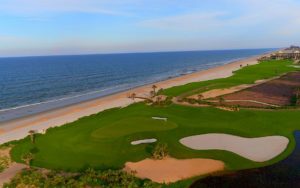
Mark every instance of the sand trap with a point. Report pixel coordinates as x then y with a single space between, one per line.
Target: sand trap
145 141
171 170
256 149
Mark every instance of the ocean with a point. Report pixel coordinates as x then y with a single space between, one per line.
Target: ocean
30 85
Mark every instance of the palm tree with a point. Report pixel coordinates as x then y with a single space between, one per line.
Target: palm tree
152 94
154 89
32 135
132 96
158 99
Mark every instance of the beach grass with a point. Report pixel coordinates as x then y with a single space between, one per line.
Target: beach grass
102 141
246 75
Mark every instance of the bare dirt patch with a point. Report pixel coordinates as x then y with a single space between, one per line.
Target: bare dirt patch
170 170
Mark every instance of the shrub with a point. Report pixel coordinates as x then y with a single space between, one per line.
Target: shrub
160 151
4 162
27 158
35 178
160 91
165 102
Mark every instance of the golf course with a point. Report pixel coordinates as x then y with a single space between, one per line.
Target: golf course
103 141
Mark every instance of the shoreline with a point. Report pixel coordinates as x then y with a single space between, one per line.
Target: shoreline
18 128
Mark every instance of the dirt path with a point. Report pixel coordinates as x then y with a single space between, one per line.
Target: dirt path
10 172
252 101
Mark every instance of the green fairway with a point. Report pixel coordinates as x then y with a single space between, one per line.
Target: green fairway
246 75
102 141
128 126
82 143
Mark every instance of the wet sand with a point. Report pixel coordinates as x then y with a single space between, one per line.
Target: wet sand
17 129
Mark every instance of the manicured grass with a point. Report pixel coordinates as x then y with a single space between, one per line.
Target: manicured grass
246 75
125 127
102 141
74 146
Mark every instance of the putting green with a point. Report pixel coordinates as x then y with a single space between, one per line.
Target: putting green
131 125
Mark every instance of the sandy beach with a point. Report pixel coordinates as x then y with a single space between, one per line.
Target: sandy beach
17 129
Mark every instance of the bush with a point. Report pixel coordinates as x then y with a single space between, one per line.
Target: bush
90 178
165 102
27 158
4 162
160 151
160 91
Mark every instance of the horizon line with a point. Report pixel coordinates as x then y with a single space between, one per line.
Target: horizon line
141 52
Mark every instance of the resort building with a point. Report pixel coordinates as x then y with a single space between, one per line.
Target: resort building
292 52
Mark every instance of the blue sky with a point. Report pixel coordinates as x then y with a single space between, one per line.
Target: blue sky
48 27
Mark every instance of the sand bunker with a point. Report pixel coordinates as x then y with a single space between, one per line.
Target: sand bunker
171 170
145 141
256 149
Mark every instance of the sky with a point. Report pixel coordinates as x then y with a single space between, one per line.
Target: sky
56 27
